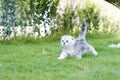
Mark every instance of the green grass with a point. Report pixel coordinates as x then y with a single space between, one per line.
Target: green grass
37 60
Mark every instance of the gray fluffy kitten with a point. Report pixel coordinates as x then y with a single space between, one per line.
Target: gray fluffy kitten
76 47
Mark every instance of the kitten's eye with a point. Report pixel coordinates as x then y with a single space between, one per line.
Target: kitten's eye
62 40
67 41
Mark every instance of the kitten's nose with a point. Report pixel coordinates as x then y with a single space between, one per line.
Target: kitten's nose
64 43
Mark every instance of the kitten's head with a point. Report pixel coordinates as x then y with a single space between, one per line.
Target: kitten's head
67 40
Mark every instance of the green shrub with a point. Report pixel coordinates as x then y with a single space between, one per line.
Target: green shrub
67 20
70 20
92 17
25 10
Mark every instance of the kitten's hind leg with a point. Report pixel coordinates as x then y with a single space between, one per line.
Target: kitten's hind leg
63 55
94 52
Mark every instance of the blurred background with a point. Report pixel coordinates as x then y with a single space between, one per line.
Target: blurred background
40 18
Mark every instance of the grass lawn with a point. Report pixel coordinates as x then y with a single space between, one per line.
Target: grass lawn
37 60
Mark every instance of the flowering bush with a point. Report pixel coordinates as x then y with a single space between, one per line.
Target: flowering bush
35 13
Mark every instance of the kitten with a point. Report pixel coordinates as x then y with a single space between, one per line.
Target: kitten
76 46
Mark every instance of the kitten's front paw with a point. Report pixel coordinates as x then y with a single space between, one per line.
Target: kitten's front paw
95 54
63 55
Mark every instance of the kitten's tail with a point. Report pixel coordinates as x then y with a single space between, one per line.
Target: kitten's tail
83 31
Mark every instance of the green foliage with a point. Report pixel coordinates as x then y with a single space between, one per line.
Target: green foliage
1 13
92 17
54 8
42 6
25 10
9 12
67 19
8 15
72 18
